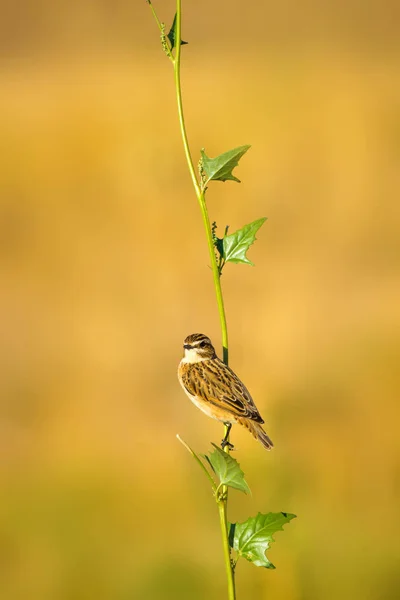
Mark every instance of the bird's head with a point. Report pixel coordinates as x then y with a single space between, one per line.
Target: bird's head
198 347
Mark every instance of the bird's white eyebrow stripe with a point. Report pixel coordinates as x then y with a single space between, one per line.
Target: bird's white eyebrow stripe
196 340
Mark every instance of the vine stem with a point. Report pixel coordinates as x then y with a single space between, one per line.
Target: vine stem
200 193
230 574
222 497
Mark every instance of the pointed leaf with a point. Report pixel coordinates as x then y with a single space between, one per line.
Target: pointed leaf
199 461
236 244
228 470
221 167
171 34
253 537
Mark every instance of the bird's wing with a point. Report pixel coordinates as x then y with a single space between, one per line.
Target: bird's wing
216 383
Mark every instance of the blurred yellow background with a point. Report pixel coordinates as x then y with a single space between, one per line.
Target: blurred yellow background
104 271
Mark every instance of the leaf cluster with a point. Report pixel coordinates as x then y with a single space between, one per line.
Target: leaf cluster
252 538
233 247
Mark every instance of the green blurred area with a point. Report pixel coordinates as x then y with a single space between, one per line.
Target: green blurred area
104 271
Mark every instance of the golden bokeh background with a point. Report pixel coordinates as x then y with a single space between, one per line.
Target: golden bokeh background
104 271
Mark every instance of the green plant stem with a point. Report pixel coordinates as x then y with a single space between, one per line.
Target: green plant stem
200 193
227 551
155 15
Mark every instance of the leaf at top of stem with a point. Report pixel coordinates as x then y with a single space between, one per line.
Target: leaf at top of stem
252 538
171 34
236 245
220 168
227 470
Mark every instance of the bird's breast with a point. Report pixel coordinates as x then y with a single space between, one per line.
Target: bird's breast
207 407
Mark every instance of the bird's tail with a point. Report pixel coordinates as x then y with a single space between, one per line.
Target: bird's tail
258 432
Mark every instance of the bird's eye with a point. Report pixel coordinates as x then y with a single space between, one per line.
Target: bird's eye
202 344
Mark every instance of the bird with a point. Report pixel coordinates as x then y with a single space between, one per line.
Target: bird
216 390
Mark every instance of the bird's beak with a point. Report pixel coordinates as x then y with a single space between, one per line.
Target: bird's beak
187 346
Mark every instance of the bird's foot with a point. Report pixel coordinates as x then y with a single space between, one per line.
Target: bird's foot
225 443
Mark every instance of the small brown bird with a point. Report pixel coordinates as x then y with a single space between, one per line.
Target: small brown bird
214 388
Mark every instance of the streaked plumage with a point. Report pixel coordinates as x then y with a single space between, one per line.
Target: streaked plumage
214 388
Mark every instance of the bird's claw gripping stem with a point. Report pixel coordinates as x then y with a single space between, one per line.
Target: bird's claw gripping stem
225 443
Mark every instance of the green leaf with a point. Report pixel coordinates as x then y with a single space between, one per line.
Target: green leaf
221 167
199 461
253 537
171 34
227 469
236 244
